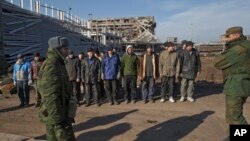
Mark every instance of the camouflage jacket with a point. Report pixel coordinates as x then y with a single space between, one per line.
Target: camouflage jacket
54 87
235 66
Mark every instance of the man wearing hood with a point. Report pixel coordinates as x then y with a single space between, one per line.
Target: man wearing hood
58 105
110 74
129 69
22 77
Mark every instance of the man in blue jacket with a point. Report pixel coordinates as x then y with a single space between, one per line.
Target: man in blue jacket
110 74
22 77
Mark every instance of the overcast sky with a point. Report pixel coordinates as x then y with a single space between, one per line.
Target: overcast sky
199 20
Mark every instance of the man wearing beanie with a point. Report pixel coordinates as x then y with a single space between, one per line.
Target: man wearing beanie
22 78
35 67
91 77
129 69
58 106
169 68
190 67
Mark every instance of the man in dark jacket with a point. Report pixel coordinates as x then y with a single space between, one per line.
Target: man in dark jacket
54 86
35 67
181 48
99 55
129 69
190 67
235 65
72 67
110 74
92 76
79 80
148 73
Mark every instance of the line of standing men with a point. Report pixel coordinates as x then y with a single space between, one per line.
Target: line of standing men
58 81
182 65
90 71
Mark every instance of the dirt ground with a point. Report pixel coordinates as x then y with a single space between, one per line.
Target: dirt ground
202 120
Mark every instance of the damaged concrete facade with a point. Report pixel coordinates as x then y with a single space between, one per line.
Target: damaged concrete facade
130 29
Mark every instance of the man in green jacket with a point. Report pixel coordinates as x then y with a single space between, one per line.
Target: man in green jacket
235 65
54 86
129 69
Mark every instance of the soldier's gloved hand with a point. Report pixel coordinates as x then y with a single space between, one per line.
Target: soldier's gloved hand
30 82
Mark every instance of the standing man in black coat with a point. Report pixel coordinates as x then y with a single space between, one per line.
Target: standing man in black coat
92 76
79 80
190 67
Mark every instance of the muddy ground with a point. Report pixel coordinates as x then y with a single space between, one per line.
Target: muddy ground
202 120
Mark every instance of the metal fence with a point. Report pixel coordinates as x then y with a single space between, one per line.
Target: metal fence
51 11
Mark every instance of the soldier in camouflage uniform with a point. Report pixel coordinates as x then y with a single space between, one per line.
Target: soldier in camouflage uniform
54 87
235 65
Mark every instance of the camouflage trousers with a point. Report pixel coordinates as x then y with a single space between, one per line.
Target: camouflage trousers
60 132
234 109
